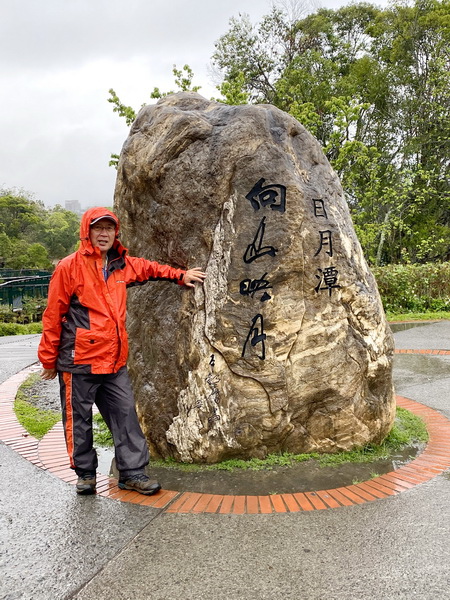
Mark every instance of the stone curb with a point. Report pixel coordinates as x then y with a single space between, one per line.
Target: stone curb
50 454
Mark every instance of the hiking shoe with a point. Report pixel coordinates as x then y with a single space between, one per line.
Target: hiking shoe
86 484
139 483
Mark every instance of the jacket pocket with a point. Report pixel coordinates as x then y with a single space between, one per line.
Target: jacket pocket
89 347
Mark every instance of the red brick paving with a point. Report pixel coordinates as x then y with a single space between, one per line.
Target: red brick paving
214 504
50 454
291 503
265 505
303 501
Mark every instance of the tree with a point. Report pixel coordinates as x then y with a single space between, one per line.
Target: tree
37 257
373 86
253 53
5 249
31 236
183 80
412 45
233 90
19 213
60 231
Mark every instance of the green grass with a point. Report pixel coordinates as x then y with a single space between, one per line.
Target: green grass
418 316
35 420
102 435
408 429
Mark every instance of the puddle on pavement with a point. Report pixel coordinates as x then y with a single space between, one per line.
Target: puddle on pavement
105 460
302 477
419 369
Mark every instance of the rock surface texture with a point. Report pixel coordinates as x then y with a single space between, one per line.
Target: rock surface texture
285 347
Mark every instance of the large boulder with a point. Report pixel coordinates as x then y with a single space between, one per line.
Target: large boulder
285 347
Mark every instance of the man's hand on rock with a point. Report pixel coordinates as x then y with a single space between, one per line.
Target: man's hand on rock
193 275
48 374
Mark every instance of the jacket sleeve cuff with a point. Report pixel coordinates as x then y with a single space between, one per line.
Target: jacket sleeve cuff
47 365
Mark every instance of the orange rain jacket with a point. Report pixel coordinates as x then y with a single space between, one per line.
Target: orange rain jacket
84 322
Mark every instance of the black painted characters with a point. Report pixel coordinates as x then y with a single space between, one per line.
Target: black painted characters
256 249
327 276
260 196
273 195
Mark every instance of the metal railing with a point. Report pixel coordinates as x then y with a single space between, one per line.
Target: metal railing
16 285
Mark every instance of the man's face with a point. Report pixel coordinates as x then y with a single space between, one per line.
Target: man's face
102 234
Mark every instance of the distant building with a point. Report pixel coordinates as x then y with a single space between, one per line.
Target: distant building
74 206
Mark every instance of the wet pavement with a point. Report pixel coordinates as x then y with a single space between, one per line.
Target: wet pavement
16 353
56 545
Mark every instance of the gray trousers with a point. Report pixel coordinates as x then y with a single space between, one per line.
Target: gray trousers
113 396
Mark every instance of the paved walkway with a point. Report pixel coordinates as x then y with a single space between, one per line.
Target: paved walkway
62 546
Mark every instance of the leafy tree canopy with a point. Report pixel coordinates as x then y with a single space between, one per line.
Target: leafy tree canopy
373 86
32 236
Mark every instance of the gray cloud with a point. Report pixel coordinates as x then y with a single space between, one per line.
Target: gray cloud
60 57
64 33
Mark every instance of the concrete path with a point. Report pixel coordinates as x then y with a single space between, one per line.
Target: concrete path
16 353
56 545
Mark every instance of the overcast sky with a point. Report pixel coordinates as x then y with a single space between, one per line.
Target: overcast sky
58 60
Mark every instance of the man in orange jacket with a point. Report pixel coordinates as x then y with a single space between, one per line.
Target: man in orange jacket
85 342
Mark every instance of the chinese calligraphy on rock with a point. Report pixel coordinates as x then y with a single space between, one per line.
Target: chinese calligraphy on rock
327 276
260 196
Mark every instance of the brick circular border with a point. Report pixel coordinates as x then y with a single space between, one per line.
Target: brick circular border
50 454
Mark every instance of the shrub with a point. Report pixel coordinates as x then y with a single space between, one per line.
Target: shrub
31 311
10 328
19 329
33 328
414 288
7 315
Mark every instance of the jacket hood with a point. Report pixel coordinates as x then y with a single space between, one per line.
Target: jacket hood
91 215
